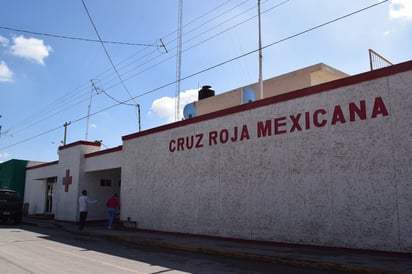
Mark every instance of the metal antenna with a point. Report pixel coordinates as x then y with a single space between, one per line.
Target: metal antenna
94 88
179 59
260 55
163 45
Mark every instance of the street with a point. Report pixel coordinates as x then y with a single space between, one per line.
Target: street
32 249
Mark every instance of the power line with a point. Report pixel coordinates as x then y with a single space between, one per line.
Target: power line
256 50
111 62
198 35
251 52
201 42
54 105
57 105
210 68
202 16
78 38
324 24
105 49
143 61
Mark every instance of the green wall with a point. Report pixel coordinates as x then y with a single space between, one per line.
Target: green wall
13 175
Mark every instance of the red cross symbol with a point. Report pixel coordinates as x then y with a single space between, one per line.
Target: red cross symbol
67 180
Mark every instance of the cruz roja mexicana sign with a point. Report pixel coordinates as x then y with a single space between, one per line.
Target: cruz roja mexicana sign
317 118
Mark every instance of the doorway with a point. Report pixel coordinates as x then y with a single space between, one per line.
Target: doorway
49 194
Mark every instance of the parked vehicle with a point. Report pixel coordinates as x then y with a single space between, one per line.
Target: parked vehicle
11 206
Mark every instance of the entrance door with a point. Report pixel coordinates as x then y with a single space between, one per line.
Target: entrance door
49 194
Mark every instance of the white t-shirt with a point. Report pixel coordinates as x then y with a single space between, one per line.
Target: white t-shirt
84 202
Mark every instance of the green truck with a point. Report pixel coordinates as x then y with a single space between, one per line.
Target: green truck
12 181
11 206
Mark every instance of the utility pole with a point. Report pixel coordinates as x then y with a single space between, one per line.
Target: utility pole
260 55
138 115
94 88
65 131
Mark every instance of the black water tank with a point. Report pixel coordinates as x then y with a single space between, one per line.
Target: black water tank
205 92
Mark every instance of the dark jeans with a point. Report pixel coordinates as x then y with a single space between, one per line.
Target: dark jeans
83 215
112 216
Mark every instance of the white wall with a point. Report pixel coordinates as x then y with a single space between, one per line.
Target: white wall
103 161
72 157
105 165
345 185
35 187
98 210
86 173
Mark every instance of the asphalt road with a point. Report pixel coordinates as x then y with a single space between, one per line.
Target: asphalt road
30 249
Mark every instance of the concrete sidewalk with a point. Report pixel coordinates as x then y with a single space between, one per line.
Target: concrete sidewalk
334 259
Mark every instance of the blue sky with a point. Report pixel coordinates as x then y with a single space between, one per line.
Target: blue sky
50 55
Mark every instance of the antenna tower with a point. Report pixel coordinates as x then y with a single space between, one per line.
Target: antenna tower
260 55
179 59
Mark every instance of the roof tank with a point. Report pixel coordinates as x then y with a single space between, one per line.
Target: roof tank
205 92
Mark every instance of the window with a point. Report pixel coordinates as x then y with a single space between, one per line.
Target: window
105 182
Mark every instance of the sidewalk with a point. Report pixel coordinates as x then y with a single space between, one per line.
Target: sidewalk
335 259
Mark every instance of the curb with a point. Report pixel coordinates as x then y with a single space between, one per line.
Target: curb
247 256
40 223
232 254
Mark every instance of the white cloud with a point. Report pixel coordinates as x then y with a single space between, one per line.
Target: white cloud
189 96
165 107
4 42
4 155
400 9
6 75
30 48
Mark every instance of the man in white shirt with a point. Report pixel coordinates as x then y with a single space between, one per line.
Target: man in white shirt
84 202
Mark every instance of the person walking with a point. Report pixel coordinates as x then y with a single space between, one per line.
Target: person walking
84 202
112 205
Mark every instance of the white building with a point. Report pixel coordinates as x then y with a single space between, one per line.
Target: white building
324 165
